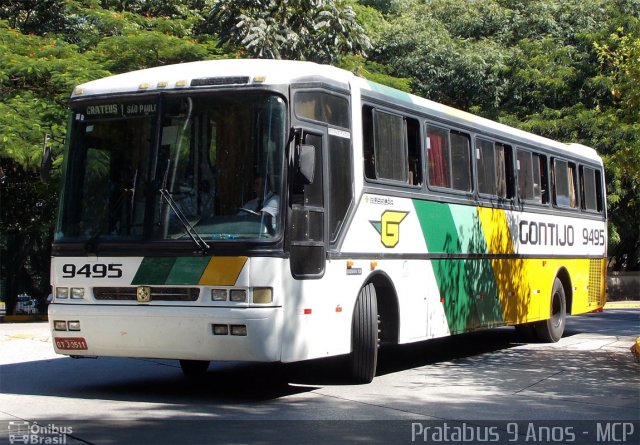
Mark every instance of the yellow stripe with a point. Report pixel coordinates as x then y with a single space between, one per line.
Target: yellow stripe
521 283
222 271
525 285
496 230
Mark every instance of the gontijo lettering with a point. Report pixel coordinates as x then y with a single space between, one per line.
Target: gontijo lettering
548 234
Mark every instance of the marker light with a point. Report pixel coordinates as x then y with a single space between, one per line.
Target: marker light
77 293
262 295
238 295
239 329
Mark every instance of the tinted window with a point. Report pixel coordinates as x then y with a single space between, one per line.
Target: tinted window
532 177
322 107
391 146
448 158
591 189
564 185
495 168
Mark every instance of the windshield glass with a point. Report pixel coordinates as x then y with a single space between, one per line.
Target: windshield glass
206 166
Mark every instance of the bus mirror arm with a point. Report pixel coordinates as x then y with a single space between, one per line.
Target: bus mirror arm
46 161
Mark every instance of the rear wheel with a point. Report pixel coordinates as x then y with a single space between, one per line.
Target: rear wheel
194 368
551 330
364 336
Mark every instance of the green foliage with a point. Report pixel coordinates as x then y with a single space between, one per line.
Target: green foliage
146 49
36 77
319 31
563 69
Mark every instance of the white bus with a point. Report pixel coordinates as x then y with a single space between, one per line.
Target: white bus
279 211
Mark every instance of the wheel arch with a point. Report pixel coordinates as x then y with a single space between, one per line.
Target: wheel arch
388 306
563 275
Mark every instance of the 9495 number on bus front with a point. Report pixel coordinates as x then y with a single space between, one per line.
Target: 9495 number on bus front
97 270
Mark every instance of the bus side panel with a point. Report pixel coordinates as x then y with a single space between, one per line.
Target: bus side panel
515 276
466 281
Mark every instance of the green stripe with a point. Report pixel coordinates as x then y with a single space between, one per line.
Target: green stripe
166 270
468 286
187 270
396 94
153 270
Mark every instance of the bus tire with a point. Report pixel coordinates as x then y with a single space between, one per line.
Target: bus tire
551 330
194 368
364 336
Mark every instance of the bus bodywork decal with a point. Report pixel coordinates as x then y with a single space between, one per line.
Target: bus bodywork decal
214 271
467 286
513 274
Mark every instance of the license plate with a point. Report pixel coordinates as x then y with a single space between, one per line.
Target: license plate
71 343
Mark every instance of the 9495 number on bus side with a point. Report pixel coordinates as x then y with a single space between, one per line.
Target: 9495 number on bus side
96 270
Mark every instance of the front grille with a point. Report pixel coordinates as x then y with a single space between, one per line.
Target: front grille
157 293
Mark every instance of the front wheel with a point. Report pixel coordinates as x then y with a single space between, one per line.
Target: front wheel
364 336
194 368
551 330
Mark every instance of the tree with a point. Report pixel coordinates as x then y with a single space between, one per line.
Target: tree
563 69
316 30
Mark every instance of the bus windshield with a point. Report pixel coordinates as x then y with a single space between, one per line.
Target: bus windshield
171 167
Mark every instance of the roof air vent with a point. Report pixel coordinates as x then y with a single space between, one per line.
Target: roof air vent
217 81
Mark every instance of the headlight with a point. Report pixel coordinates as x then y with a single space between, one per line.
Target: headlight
62 293
218 295
238 295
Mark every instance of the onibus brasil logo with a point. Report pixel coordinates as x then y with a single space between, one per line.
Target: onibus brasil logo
389 227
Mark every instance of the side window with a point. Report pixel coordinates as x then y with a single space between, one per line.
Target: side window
391 146
322 107
340 183
495 168
564 184
591 189
390 154
449 158
532 177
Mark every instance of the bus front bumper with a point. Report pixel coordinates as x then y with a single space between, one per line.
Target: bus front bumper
169 332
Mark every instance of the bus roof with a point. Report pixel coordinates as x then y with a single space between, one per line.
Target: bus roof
211 73
278 72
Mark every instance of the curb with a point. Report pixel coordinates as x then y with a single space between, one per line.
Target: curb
22 318
622 305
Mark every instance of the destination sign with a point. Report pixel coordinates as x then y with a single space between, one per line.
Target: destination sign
129 109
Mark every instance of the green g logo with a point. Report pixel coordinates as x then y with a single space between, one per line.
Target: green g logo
389 227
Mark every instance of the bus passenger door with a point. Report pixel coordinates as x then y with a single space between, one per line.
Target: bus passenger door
306 222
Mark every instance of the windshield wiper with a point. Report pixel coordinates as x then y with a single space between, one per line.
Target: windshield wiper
193 234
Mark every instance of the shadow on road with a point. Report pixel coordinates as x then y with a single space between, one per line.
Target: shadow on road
161 381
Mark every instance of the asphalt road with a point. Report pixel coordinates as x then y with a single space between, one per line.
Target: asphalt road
484 387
